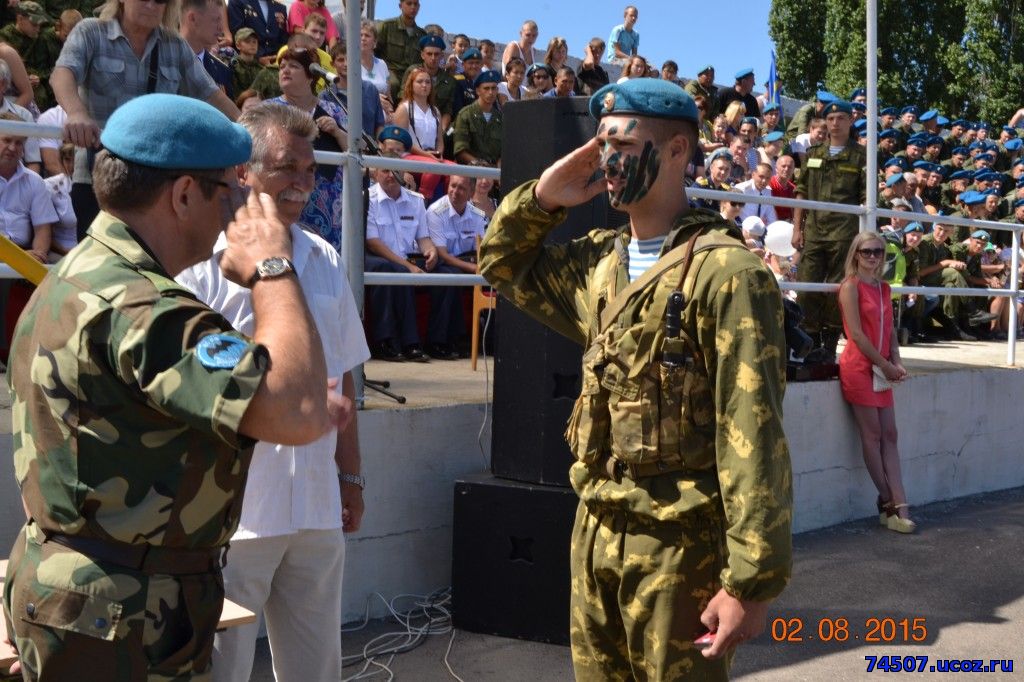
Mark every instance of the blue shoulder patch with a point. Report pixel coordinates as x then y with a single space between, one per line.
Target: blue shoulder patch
220 351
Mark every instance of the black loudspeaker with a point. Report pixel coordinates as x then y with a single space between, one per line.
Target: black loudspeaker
510 558
536 370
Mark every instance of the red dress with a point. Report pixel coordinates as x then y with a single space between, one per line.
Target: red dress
854 367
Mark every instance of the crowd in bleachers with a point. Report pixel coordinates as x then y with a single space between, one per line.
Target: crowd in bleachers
434 95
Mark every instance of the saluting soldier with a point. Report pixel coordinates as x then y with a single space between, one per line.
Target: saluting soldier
834 172
683 471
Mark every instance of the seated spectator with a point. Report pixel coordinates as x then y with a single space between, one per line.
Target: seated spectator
396 234
771 120
782 185
565 79
522 48
465 92
483 200
487 48
269 20
624 40
512 88
717 178
376 70
49 147
771 148
937 267
636 67
245 65
315 27
591 76
247 100
396 142
557 53
300 10
444 85
740 170
478 127
29 146
24 198
373 113
753 234
65 229
67 20
670 72
730 209
540 78
460 43
912 193
817 133
721 133
704 86
417 114
735 112
38 49
758 185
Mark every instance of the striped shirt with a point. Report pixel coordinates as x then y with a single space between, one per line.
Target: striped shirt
643 253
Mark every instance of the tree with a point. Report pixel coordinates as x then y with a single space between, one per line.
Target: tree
800 62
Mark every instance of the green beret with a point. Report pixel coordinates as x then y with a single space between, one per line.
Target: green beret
487 76
651 97
837 106
175 132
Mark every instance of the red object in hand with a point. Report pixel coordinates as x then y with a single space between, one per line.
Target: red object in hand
705 641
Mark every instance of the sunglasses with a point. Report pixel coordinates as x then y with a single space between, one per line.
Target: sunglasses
872 253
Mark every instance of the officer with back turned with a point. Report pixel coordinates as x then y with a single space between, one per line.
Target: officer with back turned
683 470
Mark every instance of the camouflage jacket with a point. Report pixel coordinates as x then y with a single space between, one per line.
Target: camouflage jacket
398 44
728 430
478 136
126 394
839 179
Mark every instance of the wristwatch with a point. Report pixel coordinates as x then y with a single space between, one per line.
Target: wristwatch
272 267
354 479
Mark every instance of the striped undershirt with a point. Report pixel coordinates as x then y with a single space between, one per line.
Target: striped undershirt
643 253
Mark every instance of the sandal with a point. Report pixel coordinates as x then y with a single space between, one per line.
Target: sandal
895 523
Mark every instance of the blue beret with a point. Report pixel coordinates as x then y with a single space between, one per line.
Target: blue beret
706 68
1018 203
825 96
889 132
644 97
893 179
918 140
986 176
720 153
942 121
777 135
858 106
858 92
863 132
837 106
860 124
975 145
985 155
743 73
934 139
963 123
1014 144
750 120
990 192
771 106
913 227
487 76
1017 162
921 164
471 53
398 133
959 150
928 115
888 111
1011 130
896 161
981 125
909 110
432 41
175 132
962 175
980 234
936 168
972 198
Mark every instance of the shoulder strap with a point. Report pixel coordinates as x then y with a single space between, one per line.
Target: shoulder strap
154 67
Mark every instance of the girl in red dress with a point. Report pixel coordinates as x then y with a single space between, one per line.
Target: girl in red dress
866 304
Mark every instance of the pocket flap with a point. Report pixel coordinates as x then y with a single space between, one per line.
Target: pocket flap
109 64
617 381
66 609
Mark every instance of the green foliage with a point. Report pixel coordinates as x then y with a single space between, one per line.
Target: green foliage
963 57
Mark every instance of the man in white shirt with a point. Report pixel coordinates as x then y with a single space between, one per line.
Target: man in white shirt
454 225
396 241
31 155
287 556
758 185
26 211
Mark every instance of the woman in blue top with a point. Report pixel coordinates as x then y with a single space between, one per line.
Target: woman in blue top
322 214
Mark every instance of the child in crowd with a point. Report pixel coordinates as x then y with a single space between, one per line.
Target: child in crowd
244 65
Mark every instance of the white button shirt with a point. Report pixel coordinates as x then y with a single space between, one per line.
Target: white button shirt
456 233
396 222
292 488
24 202
762 211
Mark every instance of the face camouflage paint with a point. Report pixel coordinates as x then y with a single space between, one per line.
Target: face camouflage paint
637 172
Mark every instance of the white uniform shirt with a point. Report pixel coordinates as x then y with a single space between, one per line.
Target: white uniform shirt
762 211
24 202
292 488
396 222
54 116
456 233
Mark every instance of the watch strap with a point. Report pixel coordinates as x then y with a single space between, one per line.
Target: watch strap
354 479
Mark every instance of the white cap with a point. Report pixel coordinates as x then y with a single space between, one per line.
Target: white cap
754 226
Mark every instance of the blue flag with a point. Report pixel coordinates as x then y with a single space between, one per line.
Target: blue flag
774 92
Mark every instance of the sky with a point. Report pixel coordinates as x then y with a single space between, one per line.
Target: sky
729 34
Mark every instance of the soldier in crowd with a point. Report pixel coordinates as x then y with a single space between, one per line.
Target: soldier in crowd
704 85
742 91
38 48
398 44
444 85
671 505
834 171
478 126
802 119
116 574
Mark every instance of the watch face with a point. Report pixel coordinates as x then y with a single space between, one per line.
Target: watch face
273 267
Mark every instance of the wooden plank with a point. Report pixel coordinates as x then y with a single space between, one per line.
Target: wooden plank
231 615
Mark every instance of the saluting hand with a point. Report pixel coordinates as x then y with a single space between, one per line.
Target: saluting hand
569 181
254 235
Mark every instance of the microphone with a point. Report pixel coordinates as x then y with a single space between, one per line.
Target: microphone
329 75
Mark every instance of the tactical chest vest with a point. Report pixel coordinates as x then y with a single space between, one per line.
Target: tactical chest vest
638 414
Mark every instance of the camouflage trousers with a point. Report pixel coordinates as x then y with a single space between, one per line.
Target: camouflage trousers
821 261
73 618
950 278
638 589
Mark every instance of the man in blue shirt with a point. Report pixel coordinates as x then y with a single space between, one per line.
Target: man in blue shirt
624 42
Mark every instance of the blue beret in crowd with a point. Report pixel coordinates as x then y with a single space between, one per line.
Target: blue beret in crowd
962 175
942 121
893 179
771 106
972 198
720 153
913 227
909 110
488 76
963 123
824 96
928 115
917 141
975 145
777 135
990 192
644 97
896 161
837 106
1014 144
980 234
985 156
1018 203
889 132
1020 182
888 111
962 151
1011 130
858 92
743 73
393 132
432 41
860 124
750 120
706 69
980 125
471 53
175 132
921 164
940 169
1017 162
934 139
863 132
859 106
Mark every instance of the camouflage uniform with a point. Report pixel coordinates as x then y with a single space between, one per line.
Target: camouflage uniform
929 253
125 438
39 54
477 135
444 88
399 46
710 96
683 474
243 74
837 179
